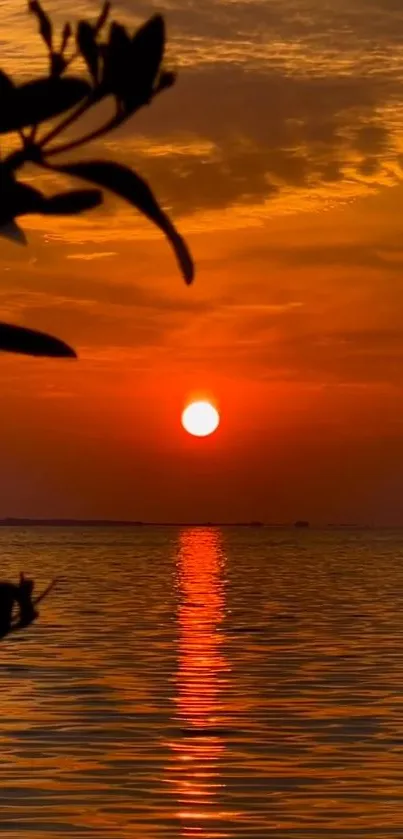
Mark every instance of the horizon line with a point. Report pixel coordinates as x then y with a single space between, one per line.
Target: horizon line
10 521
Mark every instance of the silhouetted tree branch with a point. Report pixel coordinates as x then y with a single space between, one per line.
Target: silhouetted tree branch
127 68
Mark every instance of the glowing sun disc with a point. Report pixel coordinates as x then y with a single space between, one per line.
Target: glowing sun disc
200 419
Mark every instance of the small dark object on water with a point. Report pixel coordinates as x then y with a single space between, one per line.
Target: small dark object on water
20 595
8 596
301 523
28 612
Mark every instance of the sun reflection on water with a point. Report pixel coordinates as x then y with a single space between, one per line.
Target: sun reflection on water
200 681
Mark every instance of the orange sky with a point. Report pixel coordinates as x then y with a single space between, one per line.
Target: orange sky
278 154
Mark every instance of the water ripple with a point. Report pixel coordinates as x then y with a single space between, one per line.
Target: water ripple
194 682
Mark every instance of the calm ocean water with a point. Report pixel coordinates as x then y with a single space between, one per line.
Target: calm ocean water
190 682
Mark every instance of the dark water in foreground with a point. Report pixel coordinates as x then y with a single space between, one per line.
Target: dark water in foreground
203 683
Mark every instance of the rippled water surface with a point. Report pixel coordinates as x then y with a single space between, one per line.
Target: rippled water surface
190 682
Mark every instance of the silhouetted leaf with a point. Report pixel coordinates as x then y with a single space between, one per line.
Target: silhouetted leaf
45 26
88 47
165 81
132 65
116 60
72 203
66 35
17 199
147 52
12 231
57 64
37 101
6 84
18 339
119 37
103 16
125 183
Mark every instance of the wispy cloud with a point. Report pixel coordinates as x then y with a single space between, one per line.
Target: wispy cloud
89 257
279 106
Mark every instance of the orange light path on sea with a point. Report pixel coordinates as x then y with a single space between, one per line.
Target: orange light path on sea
201 677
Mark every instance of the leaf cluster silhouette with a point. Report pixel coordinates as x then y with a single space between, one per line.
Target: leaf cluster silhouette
125 68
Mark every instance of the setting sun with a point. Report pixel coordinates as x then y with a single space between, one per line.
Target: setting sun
200 419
